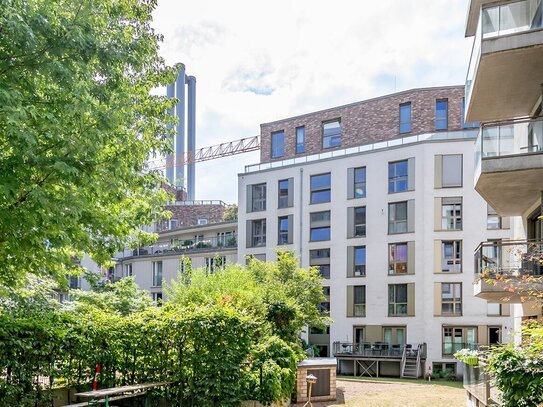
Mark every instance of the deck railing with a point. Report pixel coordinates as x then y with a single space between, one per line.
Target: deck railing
377 349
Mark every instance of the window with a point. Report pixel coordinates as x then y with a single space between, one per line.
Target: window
443 369
356 302
448 171
278 144
451 213
397 176
320 226
394 335
300 140
128 270
451 256
157 298
157 274
202 221
400 217
285 197
284 233
324 307
451 299
357 261
397 299
331 134
397 258
320 188
258 233
74 282
456 338
320 258
226 239
257 197
259 257
405 117
497 309
185 264
356 182
493 220
356 218
173 223
441 114
214 264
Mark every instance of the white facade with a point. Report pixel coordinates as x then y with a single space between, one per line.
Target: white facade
424 211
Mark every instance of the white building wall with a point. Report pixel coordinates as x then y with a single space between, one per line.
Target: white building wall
424 326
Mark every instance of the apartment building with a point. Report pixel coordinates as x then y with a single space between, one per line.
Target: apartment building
379 196
210 245
504 91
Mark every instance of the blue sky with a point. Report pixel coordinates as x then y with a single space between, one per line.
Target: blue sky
257 62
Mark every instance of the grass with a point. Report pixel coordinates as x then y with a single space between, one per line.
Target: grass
446 383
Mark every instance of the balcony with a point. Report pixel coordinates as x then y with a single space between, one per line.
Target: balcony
504 73
509 165
181 247
504 269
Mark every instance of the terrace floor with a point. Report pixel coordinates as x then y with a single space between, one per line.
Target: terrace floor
397 393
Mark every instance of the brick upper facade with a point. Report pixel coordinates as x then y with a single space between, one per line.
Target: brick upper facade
366 122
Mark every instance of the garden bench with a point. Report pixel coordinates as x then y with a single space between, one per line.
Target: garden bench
105 396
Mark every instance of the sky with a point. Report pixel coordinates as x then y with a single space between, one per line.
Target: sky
260 61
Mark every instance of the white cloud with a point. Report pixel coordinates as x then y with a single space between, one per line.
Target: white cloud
258 61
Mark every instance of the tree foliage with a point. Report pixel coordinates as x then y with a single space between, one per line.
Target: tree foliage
518 371
230 213
77 123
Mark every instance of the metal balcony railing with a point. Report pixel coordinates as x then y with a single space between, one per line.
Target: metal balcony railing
513 258
188 245
372 349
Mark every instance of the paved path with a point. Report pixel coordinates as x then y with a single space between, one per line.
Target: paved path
379 394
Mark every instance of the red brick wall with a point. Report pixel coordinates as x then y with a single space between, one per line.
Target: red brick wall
367 121
188 215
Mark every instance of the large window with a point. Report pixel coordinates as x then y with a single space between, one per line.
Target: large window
214 264
256 197
448 171
257 233
451 213
157 274
451 256
331 134
277 144
356 218
320 188
495 221
405 117
394 335
359 261
320 226
397 217
360 182
356 302
441 114
324 307
128 270
456 338
397 299
397 176
285 192
320 258
397 258
284 232
300 140
451 299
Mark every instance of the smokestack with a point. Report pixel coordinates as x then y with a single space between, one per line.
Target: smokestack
191 140
170 91
180 133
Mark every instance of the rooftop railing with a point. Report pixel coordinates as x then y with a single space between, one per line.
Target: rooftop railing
514 258
381 145
184 246
198 202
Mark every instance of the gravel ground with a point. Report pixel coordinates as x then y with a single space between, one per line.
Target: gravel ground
382 394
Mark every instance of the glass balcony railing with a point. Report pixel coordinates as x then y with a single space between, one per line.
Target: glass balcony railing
499 21
514 258
182 246
508 138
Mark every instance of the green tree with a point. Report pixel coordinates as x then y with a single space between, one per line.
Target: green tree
230 213
77 123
